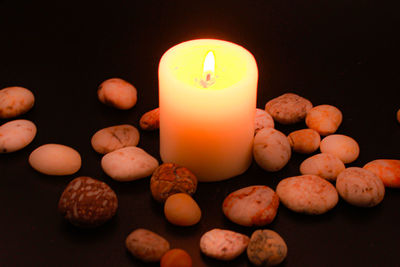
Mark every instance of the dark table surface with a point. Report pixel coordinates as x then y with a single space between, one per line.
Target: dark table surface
343 53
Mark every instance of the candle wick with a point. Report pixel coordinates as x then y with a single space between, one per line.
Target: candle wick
208 78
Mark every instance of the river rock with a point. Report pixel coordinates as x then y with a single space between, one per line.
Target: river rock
115 137
15 101
117 93
342 146
262 120
325 119
304 141
386 169
324 165
150 120
15 135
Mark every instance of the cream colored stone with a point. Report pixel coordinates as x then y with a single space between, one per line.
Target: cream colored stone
304 141
115 137
325 119
342 146
15 101
117 93
288 108
325 165
15 135
262 120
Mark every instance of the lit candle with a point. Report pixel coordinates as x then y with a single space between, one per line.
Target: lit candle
207 93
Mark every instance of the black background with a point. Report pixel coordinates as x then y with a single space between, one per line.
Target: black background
341 52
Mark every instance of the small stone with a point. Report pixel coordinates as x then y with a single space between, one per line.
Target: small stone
325 165
15 135
150 120
15 101
176 258
146 245
266 248
115 137
87 202
169 179
55 159
398 115
262 120
251 206
305 141
117 93
128 164
325 119
386 169
223 244
180 209
342 146
288 108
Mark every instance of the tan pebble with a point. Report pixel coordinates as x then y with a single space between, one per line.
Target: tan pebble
176 258
266 248
223 244
150 120
308 194
15 135
251 206
15 101
115 137
324 165
117 93
146 245
386 169
55 159
271 149
304 141
180 209
262 120
325 119
342 146
288 108
360 187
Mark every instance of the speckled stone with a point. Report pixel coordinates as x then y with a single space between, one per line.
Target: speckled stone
288 108
115 137
150 120
386 169
15 101
262 120
15 135
117 93
325 119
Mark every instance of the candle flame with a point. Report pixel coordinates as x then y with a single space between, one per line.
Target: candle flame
208 70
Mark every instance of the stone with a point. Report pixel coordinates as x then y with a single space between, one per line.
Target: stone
262 120
176 258
117 93
324 165
150 120
181 209
342 146
16 134
15 101
325 119
288 108
115 137
304 141
388 170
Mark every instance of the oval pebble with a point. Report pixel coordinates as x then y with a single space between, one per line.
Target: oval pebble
288 108
325 119
304 141
87 202
308 194
150 120
271 149
55 159
342 146
15 101
266 248
115 137
15 135
324 165
360 187
146 245
176 258
117 93
398 115
386 169
128 164
262 120
251 206
180 209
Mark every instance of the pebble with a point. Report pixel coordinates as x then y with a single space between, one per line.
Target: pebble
15 135
266 248
169 179
87 202
128 164
15 101
325 119
308 194
223 244
342 146
115 137
398 115
117 93
271 149
146 245
180 209
288 108
55 159
150 120
360 187
255 205
262 120
176 258
324 165
386 169
304 141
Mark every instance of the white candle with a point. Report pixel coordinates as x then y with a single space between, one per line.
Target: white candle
206 115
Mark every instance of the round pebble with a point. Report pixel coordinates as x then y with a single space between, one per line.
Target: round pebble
271 149
117 93
398 115
87 202
388 170
266 248
308 194
360 187
251 206
115 137
223 244
15 101
15 135
325 165
146 245
150 120
55 159
288 108
180 209
342 146
176 258
262 120
128 164
325 119
169 179
304 141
